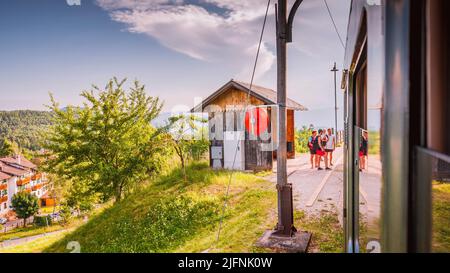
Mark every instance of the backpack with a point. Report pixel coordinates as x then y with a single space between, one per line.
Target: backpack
315 143
310 142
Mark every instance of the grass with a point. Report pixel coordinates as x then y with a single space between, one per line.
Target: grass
327 233
374 142
48 210
173 215
441 217
177 216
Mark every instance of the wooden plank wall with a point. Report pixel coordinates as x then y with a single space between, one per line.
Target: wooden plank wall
290 135
235 97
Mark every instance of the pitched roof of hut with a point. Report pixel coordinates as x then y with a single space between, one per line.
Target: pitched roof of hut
266 95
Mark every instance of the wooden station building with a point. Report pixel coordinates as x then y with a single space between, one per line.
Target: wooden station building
242 136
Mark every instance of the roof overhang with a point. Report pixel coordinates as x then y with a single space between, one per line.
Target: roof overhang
233 84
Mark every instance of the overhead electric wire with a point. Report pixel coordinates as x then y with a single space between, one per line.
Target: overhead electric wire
334 24
245 112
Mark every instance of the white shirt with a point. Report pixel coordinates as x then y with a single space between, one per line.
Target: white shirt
329 145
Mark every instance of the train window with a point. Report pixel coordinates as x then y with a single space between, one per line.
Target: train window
361 97
438 72
431 205
367 121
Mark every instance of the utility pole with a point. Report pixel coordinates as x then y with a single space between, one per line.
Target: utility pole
285 237
335 99
285 226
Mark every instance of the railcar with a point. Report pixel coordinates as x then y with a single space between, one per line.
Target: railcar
397 94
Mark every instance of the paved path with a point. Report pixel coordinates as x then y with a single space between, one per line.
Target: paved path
20 241
316 191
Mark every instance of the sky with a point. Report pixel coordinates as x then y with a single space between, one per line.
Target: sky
180 49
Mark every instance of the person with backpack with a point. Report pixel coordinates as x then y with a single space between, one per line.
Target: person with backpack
312 151
319 148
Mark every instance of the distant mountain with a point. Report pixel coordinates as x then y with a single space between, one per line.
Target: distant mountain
24 126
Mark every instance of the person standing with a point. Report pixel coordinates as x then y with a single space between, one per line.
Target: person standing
330 146
319 145
363 151
324 141
312 150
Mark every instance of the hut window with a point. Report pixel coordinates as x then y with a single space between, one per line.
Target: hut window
230 118
240 117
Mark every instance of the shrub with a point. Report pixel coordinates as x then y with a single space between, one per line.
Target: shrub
42 221
165 225
301 139
66 214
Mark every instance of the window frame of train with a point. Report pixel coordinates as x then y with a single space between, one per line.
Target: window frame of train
415 82
355 90
430 120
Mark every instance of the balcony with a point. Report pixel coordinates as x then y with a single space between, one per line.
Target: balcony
36 177
4 199
37 187
3 187
24 181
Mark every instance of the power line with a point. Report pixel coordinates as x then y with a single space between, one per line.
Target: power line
245 111
334 24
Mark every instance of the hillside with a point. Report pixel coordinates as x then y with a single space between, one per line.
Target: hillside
23 127
171 215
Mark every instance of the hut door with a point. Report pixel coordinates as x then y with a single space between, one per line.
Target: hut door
234 150
257 138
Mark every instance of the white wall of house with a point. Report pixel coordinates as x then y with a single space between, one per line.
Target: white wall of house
12 189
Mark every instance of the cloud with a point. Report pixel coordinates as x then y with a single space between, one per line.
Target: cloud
223 32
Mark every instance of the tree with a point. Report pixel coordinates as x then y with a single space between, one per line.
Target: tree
188 138
65 214
58 188
6 148
80 198
108 144
25 205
